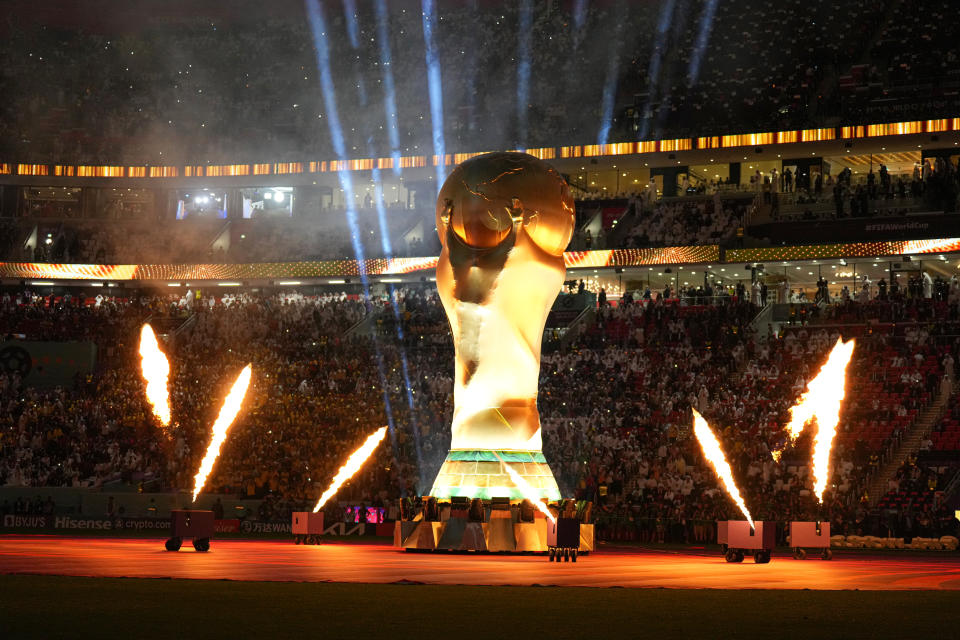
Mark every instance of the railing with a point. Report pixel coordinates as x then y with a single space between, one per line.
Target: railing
791 208
567 335
764 316
952 488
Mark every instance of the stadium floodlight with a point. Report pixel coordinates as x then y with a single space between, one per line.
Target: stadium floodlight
278 196
268 195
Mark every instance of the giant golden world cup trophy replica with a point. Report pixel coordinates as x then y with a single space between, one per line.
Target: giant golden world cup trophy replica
504 220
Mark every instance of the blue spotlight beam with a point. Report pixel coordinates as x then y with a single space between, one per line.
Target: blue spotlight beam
353 29
610 81
395 306
656 58
579 21
703 37
580 13
434 86
523 70
318 29
389 89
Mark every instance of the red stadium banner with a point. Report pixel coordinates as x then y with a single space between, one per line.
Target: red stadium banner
229 525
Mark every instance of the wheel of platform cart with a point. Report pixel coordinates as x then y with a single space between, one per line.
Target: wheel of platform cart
316 539
799 553
296 540
201 544
730 555
740 556
573 555
566 555
827 554
723 548
550 553
761 557
173 544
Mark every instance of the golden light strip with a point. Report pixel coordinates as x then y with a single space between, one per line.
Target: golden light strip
566 152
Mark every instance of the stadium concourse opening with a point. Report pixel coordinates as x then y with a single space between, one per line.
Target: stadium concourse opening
583 294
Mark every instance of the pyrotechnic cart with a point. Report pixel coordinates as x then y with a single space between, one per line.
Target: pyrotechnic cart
563 539
307 527
563 535
738 540
190 523
810 536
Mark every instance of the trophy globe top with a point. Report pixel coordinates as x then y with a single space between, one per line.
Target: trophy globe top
487 197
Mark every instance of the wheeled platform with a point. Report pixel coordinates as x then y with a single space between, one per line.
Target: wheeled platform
306 527
190 523
810 536
496 526
738 540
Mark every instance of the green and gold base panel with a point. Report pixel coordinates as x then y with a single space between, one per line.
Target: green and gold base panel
481 473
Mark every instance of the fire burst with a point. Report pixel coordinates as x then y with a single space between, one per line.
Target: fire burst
528 492
228 412
352 465
714 455
821 403
155 369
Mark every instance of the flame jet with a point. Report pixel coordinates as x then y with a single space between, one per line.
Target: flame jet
228 412
155 369
821 403
528 492
714 455
352 465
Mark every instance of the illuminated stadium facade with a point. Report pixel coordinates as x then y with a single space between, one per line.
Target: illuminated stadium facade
306 190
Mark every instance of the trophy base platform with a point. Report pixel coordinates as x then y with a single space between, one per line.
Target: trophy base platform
481 473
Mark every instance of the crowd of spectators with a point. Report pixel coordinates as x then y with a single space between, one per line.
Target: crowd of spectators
909 79
933 185
626 444
684 222
639 463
